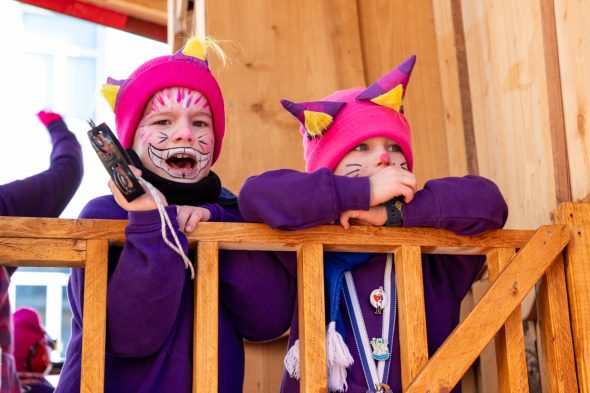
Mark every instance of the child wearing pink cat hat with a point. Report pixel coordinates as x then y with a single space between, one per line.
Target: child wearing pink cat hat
358 153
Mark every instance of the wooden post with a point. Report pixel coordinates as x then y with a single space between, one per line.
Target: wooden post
412 318
95 312
312 323
555 329
510 357
577 272
206 318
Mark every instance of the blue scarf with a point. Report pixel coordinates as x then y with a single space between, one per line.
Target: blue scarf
335 264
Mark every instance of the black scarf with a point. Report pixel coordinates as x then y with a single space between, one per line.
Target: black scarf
206 190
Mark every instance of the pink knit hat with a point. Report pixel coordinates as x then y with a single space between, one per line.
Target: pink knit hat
28 331
334 126
186 68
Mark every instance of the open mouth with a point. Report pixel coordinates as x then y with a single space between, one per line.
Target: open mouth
179 162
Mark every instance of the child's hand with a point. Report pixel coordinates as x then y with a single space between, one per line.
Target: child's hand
190 216
142 203
390 182
376 216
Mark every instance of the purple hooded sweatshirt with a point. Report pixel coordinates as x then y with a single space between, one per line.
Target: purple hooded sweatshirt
150 307
287 199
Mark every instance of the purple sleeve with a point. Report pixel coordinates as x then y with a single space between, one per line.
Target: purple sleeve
222 214
465 205
46 194
145 287
146 284
287 199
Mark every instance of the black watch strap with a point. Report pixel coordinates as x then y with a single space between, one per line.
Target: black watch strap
395 216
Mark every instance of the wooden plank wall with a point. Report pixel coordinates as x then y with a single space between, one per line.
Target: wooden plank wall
278 52
500 87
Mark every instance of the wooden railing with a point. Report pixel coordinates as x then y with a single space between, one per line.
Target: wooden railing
516 261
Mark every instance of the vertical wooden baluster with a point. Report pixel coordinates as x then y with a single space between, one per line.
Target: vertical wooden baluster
412 318
94 328
555 329
205 349
577 274
510 356
312 322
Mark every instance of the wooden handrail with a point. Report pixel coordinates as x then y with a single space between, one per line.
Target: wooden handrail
83 243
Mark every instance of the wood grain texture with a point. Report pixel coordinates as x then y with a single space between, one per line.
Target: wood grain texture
577 217
312 322
412 318
54 252
277 52
509 341
457 119
264 365
205 350
563 190
261 237
507 77
572 32
95 313
453 358
555 330
392 30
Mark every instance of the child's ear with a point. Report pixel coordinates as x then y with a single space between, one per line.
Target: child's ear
315 117
390 89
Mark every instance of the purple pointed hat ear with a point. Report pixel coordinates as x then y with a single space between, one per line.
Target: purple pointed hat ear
315 117
390 89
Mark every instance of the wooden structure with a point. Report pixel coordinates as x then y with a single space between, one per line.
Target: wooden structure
516 260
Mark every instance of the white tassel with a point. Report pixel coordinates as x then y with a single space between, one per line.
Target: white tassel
292 361
338 358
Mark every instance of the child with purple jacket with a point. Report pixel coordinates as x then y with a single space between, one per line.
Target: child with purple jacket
170 117
359 161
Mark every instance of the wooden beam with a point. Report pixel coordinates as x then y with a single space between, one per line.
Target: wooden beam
148 10
510 356
95 316
577 270
206 319
453 358
312 322
412 318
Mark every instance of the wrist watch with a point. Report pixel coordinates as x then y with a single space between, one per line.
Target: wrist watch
395 215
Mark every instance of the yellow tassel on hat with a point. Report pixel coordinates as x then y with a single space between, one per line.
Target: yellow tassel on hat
109 92
392 99
316 122
195 48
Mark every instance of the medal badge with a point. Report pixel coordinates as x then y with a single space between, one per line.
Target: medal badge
380 350
378 299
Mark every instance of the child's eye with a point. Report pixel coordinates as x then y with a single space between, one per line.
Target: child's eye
361 147
394 148
162 122
200 123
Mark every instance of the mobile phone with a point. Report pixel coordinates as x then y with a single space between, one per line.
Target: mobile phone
115 160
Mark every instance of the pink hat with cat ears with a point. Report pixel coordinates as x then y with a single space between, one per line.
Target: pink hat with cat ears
334 126
187 68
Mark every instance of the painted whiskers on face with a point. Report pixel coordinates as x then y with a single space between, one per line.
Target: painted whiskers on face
177 138
370 156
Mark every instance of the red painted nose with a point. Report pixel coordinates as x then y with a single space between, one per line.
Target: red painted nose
385 159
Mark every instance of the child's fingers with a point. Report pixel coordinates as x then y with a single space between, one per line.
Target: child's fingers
193 221
345 219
